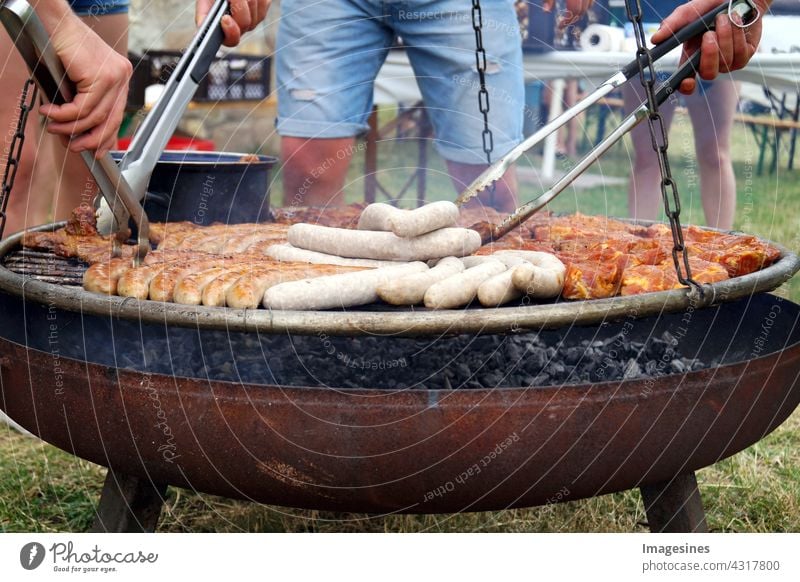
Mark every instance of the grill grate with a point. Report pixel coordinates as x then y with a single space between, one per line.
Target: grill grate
47 267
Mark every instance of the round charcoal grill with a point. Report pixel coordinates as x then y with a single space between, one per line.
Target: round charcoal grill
399 410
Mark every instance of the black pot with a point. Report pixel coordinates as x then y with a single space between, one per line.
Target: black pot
208 187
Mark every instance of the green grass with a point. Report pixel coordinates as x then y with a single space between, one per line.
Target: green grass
758 490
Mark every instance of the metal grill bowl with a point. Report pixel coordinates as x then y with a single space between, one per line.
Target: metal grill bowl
110 381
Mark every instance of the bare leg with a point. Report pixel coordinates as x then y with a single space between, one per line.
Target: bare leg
644 189
568 135
314 170
75 185
23 209
505 196
712 119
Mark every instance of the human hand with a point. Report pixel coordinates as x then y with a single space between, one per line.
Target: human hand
101 76
725 49
574 10
245 16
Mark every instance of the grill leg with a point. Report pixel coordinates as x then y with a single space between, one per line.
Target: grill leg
675 506
128 505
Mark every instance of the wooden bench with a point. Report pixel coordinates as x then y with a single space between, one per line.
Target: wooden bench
768 131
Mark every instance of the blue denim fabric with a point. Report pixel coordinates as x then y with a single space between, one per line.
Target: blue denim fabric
99 7
329 53
658 10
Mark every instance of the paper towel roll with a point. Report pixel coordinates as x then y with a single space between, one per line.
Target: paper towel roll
602 38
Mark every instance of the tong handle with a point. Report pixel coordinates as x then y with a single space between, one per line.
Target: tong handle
157 128
208 50
704 24
29 36
524 212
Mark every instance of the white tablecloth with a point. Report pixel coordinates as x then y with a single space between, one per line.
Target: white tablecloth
396 82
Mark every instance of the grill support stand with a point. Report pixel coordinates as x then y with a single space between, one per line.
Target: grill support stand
675 506
133 505
128 505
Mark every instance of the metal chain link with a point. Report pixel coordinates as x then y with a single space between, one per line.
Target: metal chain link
658 136
26 104
483 93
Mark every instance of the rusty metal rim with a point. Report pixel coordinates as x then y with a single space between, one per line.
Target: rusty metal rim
407 323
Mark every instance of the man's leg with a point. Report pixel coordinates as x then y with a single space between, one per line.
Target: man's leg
314 170
712 111
328 55
75 185
644 190
440 43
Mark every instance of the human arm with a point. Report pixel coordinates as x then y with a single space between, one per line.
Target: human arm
574 10
90 121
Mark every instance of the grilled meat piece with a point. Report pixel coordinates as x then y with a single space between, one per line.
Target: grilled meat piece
82 222
662 277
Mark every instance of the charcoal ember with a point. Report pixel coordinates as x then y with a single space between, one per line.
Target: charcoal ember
542 380
516 351
678 366
546 358
698 365
492 379
536 358
573 355
556 369
669 339
632 370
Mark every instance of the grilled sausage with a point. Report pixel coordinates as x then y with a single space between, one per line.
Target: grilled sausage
458 290
136 282
409 223
499 289
541 276
343 290
286 252
214 292
103 277
367 244
248 290
162 285
189 290
410 289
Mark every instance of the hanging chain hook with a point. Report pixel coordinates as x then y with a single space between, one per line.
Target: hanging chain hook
483 92
27 102
660 143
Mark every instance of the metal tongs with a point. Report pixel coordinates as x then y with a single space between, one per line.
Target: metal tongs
121 188
748 12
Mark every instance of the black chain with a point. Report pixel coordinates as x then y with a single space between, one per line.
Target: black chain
26 104
483 93
658 136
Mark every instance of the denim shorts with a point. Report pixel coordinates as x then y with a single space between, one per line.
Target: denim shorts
329 53
99 7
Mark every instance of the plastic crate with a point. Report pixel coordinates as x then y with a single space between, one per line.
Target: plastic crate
233 77
139 82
